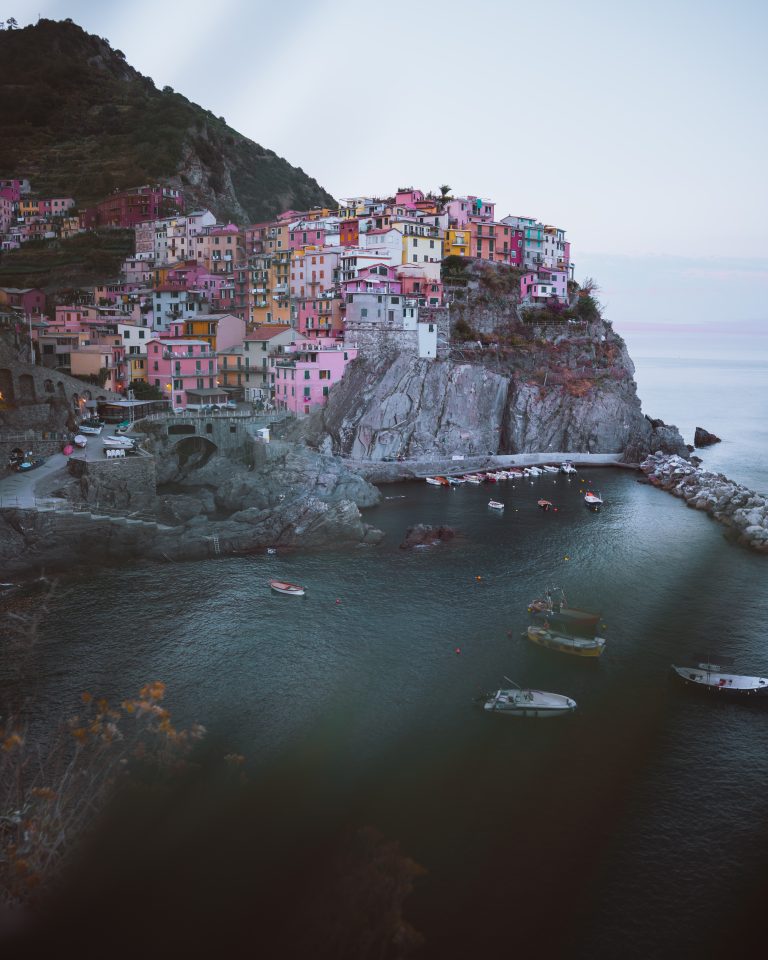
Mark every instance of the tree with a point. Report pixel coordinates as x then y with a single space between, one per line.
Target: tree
444 191
11 24
145 391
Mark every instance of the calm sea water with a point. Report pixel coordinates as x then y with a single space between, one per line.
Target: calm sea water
638 827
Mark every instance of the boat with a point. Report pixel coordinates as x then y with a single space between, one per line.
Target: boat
434 481
125 443
470 478
565 643
80 440
515 474
549 468
525 702
455 481
495 505
533 471
554 609
490 478
289 589
708 676
90 429
443 481
593 500
567 467
544 504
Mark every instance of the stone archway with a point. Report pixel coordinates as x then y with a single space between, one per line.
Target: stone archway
193 453
6 386
48 386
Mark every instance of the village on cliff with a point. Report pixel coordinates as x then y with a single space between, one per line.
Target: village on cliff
206 313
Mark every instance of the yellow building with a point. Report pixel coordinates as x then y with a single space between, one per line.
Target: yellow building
137 368
28 208
457 242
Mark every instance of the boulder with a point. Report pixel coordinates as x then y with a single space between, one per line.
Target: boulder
424 534
702 438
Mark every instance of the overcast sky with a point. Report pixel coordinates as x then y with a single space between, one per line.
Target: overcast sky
639 128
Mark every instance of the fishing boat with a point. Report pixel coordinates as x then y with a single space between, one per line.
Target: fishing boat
470 478
554 608
433 481
524 702
593 500
289 589
708 676
544 504
80 440
567 467
495 505
565 643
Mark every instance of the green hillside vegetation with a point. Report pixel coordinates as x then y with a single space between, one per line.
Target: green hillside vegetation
78 121
83 260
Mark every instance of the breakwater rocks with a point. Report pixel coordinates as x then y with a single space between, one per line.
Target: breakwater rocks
743 510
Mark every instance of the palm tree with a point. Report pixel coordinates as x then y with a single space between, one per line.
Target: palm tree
444 191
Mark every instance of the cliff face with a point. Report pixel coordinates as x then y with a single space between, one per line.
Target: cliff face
77 120
572 393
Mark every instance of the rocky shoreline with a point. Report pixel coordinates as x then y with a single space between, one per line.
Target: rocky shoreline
742 510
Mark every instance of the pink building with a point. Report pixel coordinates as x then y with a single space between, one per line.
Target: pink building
185 371
544 285
320 316
303 377
6 214
416 285
126 208
27 300
55 207
409 198
306 233
462 208
496 242
313 272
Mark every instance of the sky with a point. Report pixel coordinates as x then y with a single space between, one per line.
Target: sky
639 128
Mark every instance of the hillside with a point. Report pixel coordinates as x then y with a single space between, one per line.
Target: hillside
77 120
80 261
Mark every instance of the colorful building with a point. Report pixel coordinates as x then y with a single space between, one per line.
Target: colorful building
258 349
126 208
303 377
185 371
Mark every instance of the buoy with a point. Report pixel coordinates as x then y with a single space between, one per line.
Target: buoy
458 649
555 509
478 578
566 558
338 601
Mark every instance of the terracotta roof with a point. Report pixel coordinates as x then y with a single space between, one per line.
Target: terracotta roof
268 331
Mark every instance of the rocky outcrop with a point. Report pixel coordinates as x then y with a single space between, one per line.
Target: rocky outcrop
575 393
737 507
424 534
702 438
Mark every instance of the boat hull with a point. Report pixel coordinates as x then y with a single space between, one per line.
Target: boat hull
590 647
730 686
533 704
287 589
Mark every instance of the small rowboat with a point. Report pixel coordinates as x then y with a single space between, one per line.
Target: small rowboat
289 589
469 478
495 505
549 468
545 504
433 481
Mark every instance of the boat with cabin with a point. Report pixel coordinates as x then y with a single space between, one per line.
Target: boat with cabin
567 467
554 609
593 500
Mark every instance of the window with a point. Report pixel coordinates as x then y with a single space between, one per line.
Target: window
364 312
325 391
306 374
307 391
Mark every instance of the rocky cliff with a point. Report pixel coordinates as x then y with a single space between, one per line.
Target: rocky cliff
570 392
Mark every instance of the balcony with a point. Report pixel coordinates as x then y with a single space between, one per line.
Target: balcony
207 355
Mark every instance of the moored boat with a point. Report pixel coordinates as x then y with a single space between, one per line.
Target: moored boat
470 478
91 428
80 440
553 608
708 676
549 468
433 481
593 500
567 467
495 505
565 643
124 443
443 481
524 702
289 589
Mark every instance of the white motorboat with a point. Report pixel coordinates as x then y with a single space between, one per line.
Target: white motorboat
455 481
710 678
434 481
288 589
124 443
567 467
548 468
515 474
593 500
495 505
520 702
533 471
470 478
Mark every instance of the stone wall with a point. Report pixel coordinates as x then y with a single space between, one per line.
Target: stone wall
125 484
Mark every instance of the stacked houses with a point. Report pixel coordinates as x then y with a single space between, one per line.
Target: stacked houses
207 312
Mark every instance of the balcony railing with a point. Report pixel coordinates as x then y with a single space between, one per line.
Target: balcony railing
207 355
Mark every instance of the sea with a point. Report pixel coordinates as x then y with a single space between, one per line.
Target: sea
637 827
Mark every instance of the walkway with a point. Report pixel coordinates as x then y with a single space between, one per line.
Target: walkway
18 489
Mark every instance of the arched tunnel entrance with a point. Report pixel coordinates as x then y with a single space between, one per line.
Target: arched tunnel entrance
193 453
